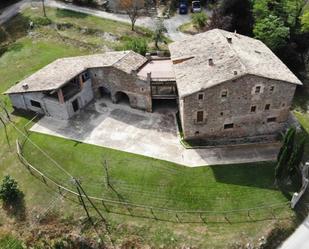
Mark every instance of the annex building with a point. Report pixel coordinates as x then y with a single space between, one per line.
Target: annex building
228 87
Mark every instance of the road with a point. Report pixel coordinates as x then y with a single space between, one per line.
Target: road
171 24
299 239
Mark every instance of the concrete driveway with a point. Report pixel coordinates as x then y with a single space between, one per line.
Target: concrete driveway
154 135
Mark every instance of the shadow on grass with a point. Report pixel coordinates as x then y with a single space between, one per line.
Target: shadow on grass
69 13
17 209
259 175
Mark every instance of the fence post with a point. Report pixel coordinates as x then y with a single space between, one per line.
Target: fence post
103 203
203 219
177 217
154 216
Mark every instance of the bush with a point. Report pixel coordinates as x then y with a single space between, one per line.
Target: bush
138 45
9 192
41 21
199 19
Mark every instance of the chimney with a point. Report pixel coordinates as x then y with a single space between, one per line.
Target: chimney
149 77
210 62
25 86
229 39
148 56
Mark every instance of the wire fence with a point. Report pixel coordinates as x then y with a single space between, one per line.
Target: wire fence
265 212
123 207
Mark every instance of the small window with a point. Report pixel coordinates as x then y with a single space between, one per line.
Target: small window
272 88
224 94
200 96
257 89
35 103
253 108
200 116
267 107
221 113
271 120
229 126
85 76
283 105
197 133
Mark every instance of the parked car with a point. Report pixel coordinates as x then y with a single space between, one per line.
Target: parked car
183 7
196 7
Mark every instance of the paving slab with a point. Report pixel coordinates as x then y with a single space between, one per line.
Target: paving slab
120 127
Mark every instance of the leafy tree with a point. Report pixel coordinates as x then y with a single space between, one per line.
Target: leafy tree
133 8
158 35
305 21
281 164
138 45
9 191
272 32
199 20
296 157
240 13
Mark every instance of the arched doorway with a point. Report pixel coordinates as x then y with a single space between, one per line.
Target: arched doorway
104 92
122 98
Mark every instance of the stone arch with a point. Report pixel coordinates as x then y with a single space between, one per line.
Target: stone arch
122 97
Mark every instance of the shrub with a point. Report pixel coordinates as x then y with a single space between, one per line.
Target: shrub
138 45
41 21
199 19
9 191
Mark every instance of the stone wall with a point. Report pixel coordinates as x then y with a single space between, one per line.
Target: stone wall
236 109
51 106
115 81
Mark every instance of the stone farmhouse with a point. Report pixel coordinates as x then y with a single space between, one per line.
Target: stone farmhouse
229 87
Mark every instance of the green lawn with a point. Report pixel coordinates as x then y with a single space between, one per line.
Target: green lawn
135 178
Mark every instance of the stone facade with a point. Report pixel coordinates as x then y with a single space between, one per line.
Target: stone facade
240 109
42 104
115 81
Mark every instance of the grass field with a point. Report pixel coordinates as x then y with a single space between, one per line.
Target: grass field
135 178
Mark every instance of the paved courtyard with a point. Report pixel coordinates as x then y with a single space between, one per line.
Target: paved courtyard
155 135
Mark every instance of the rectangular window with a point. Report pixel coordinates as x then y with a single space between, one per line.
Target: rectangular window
253 108
229 126
272 88
267 107
200 116
257 89
200 96
85 76
224 94
35 103
271 120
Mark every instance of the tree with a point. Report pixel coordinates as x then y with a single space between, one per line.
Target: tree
240 12
133 8
9 191
305 21
217 21
199 20
158 35
296 157
288 141
281 164
272 32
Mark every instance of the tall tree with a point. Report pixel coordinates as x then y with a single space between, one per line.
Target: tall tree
281 165
272 32
240 12
133 8
296 157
